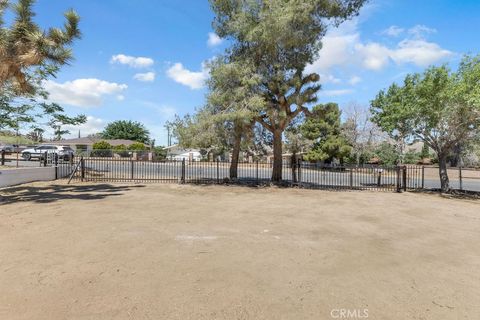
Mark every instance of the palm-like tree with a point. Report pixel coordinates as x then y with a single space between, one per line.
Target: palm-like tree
24 45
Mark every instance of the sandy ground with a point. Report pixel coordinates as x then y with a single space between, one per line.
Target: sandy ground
190 252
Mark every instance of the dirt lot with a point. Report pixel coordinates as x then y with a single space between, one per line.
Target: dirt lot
190 252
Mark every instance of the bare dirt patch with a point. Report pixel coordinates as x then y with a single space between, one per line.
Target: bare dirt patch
100 251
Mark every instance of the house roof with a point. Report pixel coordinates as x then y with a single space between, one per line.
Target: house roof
91 141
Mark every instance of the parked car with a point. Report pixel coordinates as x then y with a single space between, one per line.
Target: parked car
7 148
63 152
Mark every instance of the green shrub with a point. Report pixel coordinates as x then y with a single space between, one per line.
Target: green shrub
160 153
102 145
137 146
102 149
121 150
412 157
387 154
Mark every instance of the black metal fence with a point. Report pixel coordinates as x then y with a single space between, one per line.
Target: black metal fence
302 174
144 168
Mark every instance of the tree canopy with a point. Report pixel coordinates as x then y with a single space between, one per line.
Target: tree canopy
361 133
227 120
439 106
323 127
126 129
279 38
234 102
28 56
33 109
24 45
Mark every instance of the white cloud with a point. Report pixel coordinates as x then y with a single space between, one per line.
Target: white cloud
419 52
193 80
214 40
343 47
93 125
335 93
337 50
329 78
134 62
420 30
354 80
82 92
374 56
393 31
416 51
145 77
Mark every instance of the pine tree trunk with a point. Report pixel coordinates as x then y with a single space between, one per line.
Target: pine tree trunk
277 156
442 167
236 152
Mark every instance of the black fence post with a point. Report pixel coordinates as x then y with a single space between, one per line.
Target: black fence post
299 162
183 171
379 178
399 183
404 178
460 177
351 177
423 177
3 157
131 169
218 172
82 168
56 165
45 159
293 165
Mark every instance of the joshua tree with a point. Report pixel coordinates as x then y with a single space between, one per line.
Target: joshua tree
24 45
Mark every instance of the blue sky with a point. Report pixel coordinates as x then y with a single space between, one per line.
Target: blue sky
143 60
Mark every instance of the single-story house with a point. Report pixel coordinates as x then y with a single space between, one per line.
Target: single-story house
80 145
175 152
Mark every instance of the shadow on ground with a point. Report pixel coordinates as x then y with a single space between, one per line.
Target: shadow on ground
48 194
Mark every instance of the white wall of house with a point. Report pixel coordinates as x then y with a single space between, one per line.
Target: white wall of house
193 155
11 177
175 152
